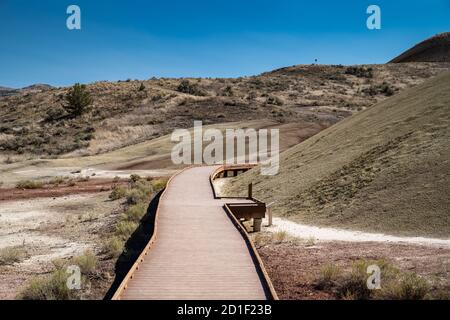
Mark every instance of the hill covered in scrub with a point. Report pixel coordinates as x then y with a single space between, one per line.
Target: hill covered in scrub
385 169
33 121
434 49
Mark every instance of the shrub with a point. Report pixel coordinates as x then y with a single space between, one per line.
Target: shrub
57 180
383 88
135 178
355 284
279 236
29 184
190 88
113 247
329 274
408 287
11 255
228 91
87 262
140 192
386 89
159 184
360 72
118 192
124 229
136 212
274 100
51 287
141 87
78 100
55 113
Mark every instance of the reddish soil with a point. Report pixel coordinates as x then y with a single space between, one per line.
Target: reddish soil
294 268
91 186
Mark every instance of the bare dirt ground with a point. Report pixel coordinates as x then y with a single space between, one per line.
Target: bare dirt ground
294 266
52 228
90 186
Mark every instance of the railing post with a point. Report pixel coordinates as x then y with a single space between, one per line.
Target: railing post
269 214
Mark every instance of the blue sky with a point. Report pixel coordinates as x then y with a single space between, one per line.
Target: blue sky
139 39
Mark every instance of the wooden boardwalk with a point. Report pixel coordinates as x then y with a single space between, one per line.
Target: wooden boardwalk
198 252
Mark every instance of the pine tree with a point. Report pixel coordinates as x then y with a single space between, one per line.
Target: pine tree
78 100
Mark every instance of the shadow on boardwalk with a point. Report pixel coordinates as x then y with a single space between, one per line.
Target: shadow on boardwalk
135 245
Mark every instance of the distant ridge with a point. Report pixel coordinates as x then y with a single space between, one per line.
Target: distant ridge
434 49
5 91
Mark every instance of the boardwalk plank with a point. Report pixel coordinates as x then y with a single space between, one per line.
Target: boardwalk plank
199 253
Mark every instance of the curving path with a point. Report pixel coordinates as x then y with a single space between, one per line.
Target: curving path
198 252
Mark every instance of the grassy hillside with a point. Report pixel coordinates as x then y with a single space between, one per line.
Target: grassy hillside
434 49
386 169
129 112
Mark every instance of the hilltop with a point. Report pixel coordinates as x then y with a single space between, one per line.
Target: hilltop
434 49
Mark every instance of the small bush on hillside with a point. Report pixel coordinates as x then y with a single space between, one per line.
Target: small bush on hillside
274 100
57 180
140 192
55 113
279 236
383 88
113 247
118 192
51 287
228 91
136 212
159 184
406 287
29 184
78 100
141 87
360 72
124 229
187 87
135 178
354 285
11 255
87 262
329 275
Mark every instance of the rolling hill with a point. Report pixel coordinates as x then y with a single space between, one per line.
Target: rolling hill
385 169
434 49
125 113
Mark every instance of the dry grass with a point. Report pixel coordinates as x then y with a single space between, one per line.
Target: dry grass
51 287
329 275
279 236
113 247
395 284
11 255
87 262
29 184
54 286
